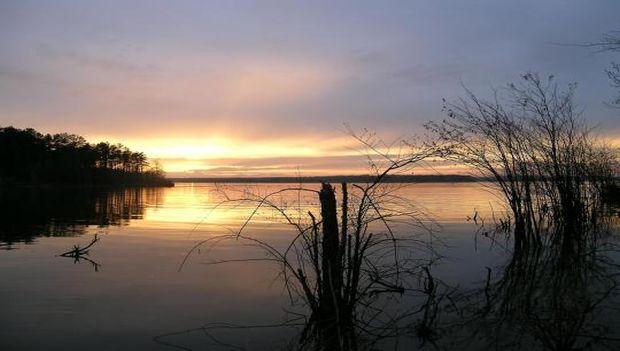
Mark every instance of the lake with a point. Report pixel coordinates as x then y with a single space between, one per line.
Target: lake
140 288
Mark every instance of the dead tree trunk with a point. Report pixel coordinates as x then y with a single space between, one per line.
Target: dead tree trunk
331 260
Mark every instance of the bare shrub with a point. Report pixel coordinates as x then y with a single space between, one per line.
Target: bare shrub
355 245
533 143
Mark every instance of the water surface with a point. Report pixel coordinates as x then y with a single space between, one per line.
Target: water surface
137 292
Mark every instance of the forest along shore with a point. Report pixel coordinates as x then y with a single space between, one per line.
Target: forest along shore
30 158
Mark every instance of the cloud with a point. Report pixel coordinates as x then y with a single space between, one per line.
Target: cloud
110 62
278 166
426 74
22 77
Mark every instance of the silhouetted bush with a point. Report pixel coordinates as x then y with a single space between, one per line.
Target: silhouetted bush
532 141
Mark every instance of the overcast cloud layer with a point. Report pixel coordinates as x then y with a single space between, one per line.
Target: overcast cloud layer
230 75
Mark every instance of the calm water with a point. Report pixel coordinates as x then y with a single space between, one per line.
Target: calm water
138 293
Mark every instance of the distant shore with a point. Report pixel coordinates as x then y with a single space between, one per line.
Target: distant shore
332 179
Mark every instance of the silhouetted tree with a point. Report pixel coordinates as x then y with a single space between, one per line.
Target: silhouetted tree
27 156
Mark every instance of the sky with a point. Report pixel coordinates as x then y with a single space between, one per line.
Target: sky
246 88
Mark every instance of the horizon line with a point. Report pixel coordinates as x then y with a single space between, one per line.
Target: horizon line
397 178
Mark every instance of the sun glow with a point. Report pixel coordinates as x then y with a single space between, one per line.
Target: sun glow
218 148
216 155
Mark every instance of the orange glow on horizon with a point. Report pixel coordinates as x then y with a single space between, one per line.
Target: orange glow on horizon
235 157
217 156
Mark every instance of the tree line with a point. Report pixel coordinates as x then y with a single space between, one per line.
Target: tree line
30 157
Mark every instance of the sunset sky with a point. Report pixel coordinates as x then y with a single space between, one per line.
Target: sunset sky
213 88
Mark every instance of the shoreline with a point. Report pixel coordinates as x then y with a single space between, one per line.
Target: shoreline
333 179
